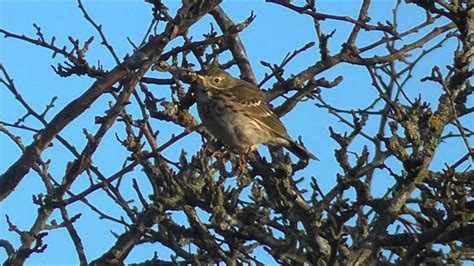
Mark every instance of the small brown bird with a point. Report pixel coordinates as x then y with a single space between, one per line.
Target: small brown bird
236 113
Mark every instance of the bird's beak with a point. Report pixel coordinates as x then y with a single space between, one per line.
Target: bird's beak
196 77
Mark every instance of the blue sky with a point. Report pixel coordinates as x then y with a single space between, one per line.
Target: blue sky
275 32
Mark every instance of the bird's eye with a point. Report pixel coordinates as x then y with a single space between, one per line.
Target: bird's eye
217 80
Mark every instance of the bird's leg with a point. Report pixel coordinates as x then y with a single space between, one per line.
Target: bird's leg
244 157
242 162
217 153
205 150
223 157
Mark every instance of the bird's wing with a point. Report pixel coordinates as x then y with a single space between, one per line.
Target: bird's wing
254 101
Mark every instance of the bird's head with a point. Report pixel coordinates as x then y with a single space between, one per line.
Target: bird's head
214 79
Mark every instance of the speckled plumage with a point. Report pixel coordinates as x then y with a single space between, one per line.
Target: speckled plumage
236 113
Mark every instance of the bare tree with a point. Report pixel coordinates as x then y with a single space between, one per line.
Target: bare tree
425 217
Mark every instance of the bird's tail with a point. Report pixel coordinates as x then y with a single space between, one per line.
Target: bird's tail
301 152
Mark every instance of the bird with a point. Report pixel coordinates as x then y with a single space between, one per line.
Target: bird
237 113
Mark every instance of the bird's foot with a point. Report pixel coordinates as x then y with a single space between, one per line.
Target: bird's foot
222 156
206 150
244 158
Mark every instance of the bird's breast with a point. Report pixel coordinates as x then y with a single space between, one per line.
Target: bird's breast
214 105
225 119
